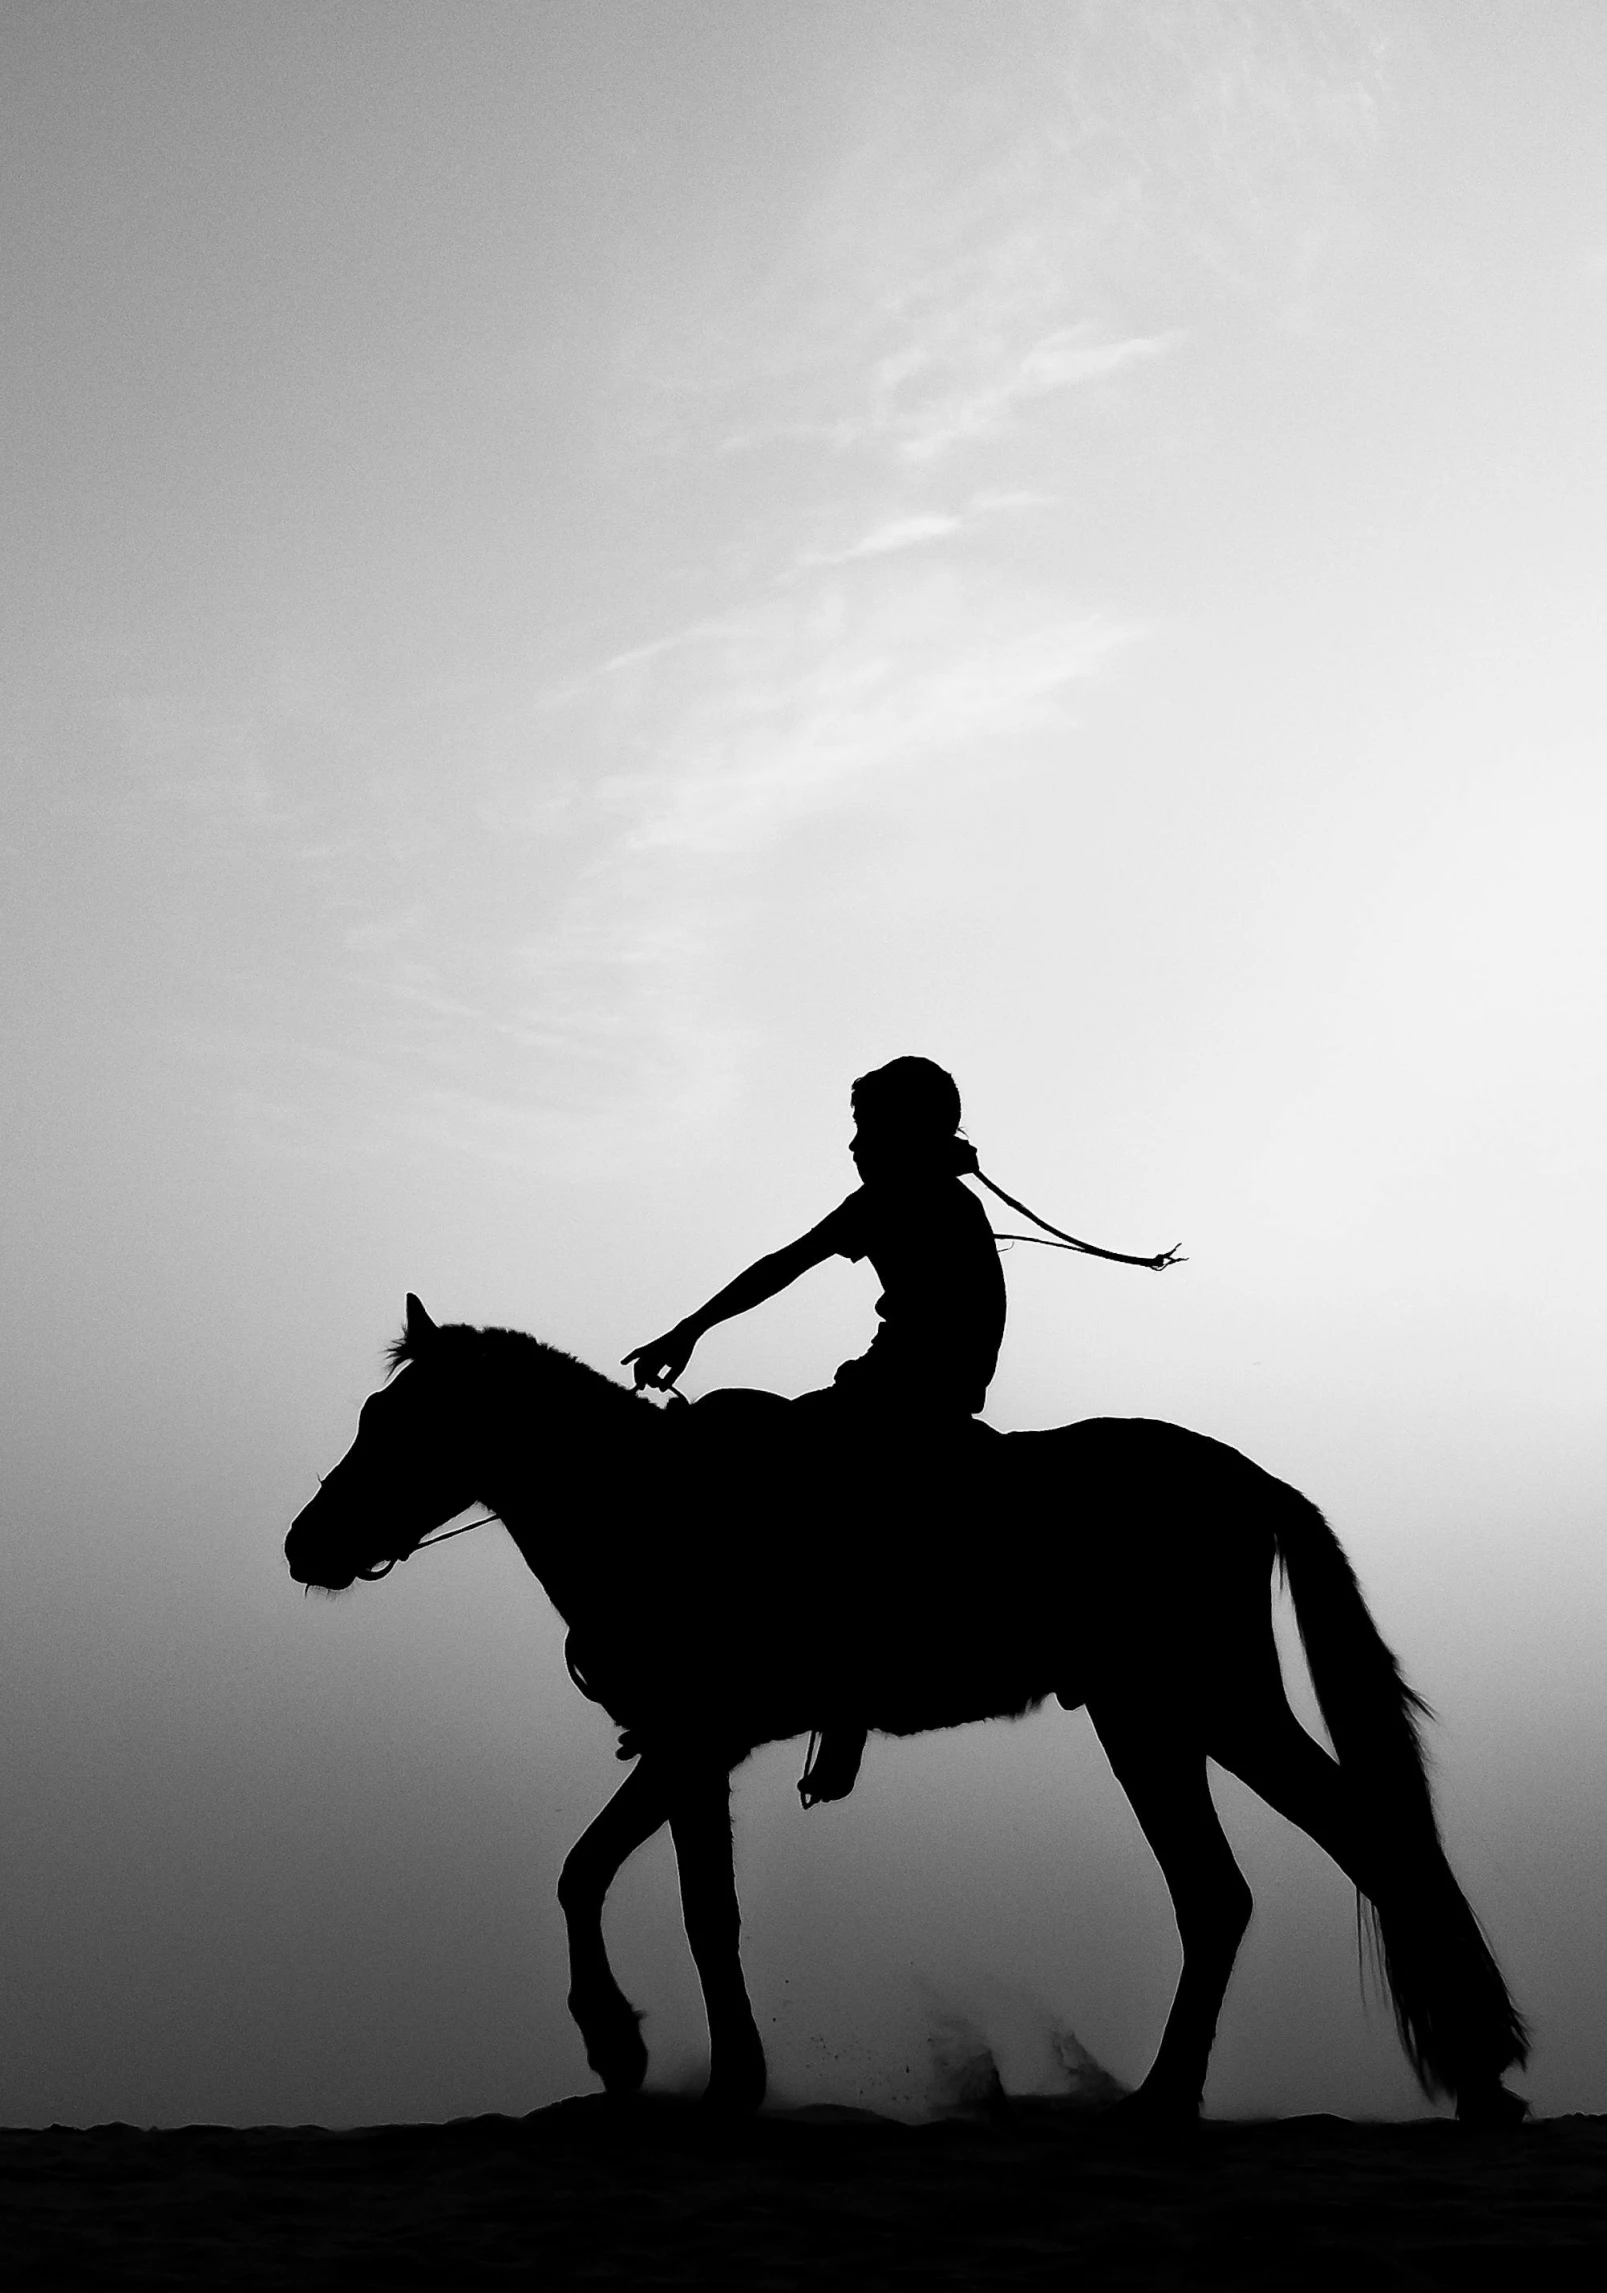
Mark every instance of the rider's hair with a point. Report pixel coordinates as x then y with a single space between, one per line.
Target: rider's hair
913 1095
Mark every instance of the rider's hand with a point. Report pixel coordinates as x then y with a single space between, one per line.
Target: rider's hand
661 1363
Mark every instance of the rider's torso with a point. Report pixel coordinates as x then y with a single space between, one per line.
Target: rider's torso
942 1305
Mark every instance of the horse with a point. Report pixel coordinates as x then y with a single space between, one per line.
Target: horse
1123 1564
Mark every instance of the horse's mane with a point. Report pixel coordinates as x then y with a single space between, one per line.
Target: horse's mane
515 1357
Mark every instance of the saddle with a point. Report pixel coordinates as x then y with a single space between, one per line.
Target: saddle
866 1496
736 1419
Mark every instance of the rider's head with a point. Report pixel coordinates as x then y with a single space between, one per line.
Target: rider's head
906 1115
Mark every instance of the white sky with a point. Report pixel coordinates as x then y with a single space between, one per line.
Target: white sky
580 574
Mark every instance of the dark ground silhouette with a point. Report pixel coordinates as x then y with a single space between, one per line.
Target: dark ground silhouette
655 2193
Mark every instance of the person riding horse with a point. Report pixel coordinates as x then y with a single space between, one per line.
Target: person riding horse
902 1408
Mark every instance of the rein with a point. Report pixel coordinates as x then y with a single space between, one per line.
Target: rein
1065 1241
425 1544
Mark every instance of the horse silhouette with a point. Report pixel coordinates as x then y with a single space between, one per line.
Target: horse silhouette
1121 1563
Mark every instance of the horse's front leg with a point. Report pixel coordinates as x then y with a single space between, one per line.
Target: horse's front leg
607 2021
700 1822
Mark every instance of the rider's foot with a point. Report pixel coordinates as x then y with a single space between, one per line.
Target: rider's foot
834 1769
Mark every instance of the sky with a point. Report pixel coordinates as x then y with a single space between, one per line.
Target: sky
577 575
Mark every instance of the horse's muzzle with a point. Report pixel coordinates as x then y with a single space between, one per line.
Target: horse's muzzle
312 1559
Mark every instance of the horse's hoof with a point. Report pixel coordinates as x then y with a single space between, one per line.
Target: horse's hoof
1490 2104
622 2066
737 2083
617 2053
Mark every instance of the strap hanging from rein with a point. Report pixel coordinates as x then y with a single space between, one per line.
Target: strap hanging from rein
1065 1241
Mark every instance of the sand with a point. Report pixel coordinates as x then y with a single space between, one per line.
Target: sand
586 2193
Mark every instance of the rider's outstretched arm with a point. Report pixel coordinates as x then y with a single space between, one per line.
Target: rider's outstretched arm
662 1362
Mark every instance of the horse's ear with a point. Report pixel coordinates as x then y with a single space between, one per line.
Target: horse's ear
418 1326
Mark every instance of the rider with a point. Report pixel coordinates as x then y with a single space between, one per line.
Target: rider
906 1406
942 1303
941 1310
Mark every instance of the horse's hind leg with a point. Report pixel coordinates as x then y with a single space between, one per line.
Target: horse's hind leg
1439 1968
607 2021
700 1820
1166 1784
1265 1746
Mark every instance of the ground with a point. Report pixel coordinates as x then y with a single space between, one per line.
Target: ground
1024 2194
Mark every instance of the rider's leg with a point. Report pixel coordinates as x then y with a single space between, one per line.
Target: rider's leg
840 1449
886 1451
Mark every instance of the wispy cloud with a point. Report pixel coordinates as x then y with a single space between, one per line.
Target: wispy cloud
942 394
1064 218
899 530
815 705
891 686
910 532
1060 361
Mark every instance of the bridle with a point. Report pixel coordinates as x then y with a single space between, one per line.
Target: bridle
377 1569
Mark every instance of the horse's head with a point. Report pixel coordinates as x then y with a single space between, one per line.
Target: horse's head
403 1476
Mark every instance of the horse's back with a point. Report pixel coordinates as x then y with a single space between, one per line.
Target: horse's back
1141 1460
1136 1441
1139 1517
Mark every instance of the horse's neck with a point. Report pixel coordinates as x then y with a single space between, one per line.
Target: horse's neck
566 1456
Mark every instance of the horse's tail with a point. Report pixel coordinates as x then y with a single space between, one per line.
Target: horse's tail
1456 2020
